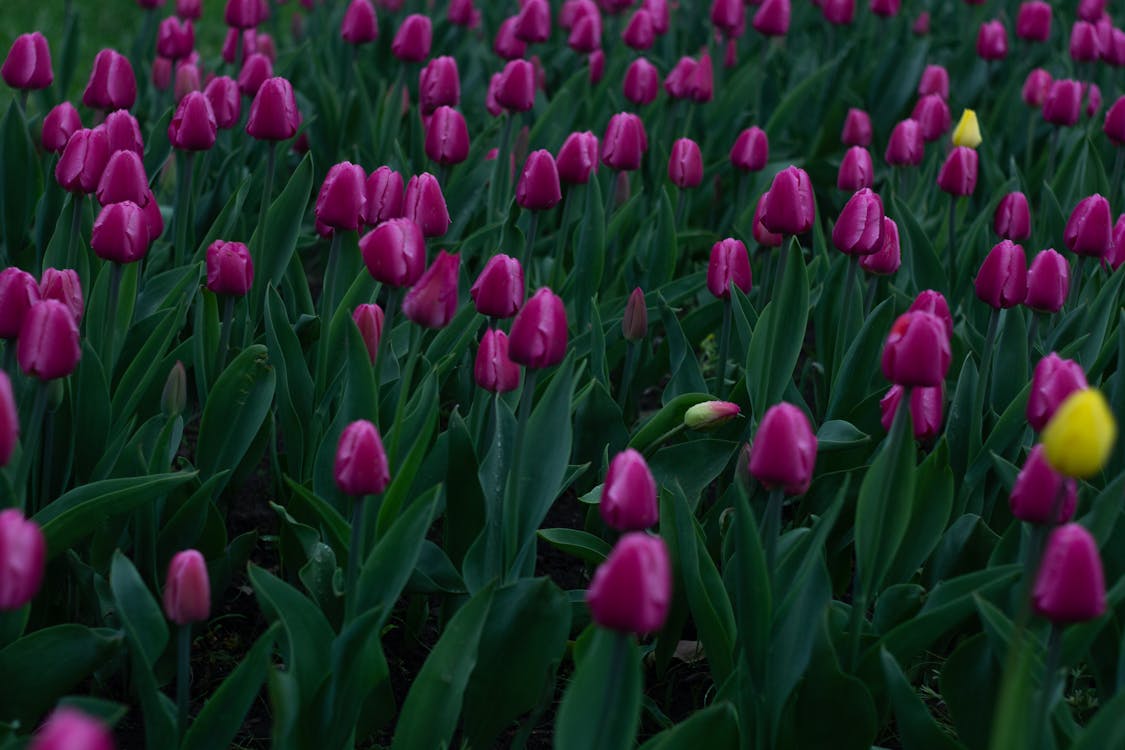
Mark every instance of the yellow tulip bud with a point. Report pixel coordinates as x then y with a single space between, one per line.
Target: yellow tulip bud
967 132
1079 438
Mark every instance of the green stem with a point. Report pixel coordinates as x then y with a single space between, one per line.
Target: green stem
529 250
403 392
1050 671
110 341
627 373
952 245
613 685
560 242
724 350
75 228
183 676
1033 336
328 301
986 360
771 525
183 201
512 494
498 169
843 335
267 190
355 554
681 206
31 446
224 336
663 438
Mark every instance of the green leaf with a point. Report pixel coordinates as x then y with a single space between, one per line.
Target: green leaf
21 181
752 595
969 684
358 666
670 416
714 726
601 707
283 224
686 377
836 434
138 610
582 544
833 709
915 725
929 510
779 336
1106 729
389 565
694 464
853 380
294 382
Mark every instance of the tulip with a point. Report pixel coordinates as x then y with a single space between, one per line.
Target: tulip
533 23
905 147
342 201
384 191
498 290
154 222
728 16
439 84
783 453
710 414
193 127
394 252
1116 255
263 43
188 79
63 285
857 128
369 319
1036 87
245 14
18 292
888 257
1002 280
70 729
123 133
596 63
934 81
48 345
59 124
917 351
628 499
751 150
273 113
506 44
424 204
175 39
856 170
859 230
685 164
538 337
230 270
1052 381
360 26
238 45
632 590
838 12
222 93
772 18
1084 46
992 41
1033 23
932 115
921 26
886 8
634 323
413 39
432 301
161 73
763 236
678 81
701 82
255 71
639 33
790 209
642 82
1040 494
578 158
189 9
1091 10
586 35
463 13
925 410
361 463
1079 436
121 233
447 137
574 10
658 9
22 546
1115 48
516 88
1070 585
112 84
934 303
967 132
539 187
9 430
28 65
1012 220
187 589
1089 230
958 175
624 143
493 370
1063 103
1093 99
729 264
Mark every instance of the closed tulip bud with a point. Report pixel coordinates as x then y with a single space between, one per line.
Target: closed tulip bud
1091 10
1033 23
1002 280
573 10
188 79
369 319
256 70
498 290
360 26
9 421
533 23
506 44
447 137
230 271
28 65
493 370
632 590
763 236
432 301
925 410
193 127
1036 87
658 9
1093 99
384 191
886 8
173 398
933 118
921 25
857 128
595 62
934 303
838 12
701 84
1012 220
1080 435
710 414
967 132
856 170
161 74
154 221
905 147
121 233
685 164
70 729
790 208
1116 255
639 33
63 285
1052 381
1034 496
1114 48
578 158
730 264
887 259
342 201
751 150
783 453
439 84
18 292
539 187
772 18
463 13
1063 103
22 551
958 175
1070 584
394 252
273 113
1089 230
424 204
634 323
642 82
515 90
413 39
538 338
728 16
59 124
175 39
361 463
859 230
628 500
917 351
48 345
187 588
266 46
189 9
123 133
992 41
934 82
112 84
248 40
625 142
1084 46
244 14
226 105
678 81
586 34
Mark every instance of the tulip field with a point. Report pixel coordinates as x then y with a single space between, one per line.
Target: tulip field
577 374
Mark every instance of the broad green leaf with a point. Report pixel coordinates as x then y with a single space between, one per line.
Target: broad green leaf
581 544
138 610
915 724
601 707
714 726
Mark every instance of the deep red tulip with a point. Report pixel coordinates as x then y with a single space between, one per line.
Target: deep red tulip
783 453
361 463
59 124
538 338
917 351
48 345
394 252
28 65
432 301
230 270
634 322
112 84
729 265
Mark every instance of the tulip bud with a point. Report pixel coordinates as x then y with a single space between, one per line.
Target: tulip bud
921 25
360 26
245 14
784 450
624 143
1048 281
516 87
539 187
1091 10
538 338
273 113
533 23
1002 279
1116 255
154 222
578 158
493 370
934 303
384 192
369 319
9 426
634 323
1114 48
439 84
256 70
632 590
1089 230
932 114
342 200
967 132
1012 220
888 257
506 44
1070 585
112 84
248 41
424 204
18 292
394 252
790 209
573 10
28 65
639 33
710 414
859 230
917 351
958 175
189 9
857 128
70 729
83 161
1052 381
63 285
701 82
413 39
685 164
728 16
59 124
193 127
188 79
173 399
763 236
447 137
856 170
677 82
772 18
992 41
1063 103
230 270
1035 494
121 233
498 290
1079 437
1093 99
925 410
48 341
361 463
934 81
187 589
596 62
1036 87
123 133
905 147
628 498
586 35
1033 23
642 82
226 105
432 301
1084 46
751 150
730 264
22 550
175 39
838 12
463 13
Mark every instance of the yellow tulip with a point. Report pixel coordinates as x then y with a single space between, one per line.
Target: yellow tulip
1079 438
967 132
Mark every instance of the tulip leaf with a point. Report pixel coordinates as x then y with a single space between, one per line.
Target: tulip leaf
581 544
915 724
601 707
294 383
713 726
670 416
21 180
929 510
278 240
1106 729
358 668
833 709
969 685
138 610
779 336
854 378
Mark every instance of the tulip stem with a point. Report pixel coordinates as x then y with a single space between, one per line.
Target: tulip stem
511 495
1032 336
1030 149
1050 670
724 349
75 228
403 391
771 525
31 446
1118 165
183 200
560 242
393 296
328 301
627 373
224 336
843 334
529 250
267 192
355 553
111 316
986 360
500 165
183 675
681 206
952 245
